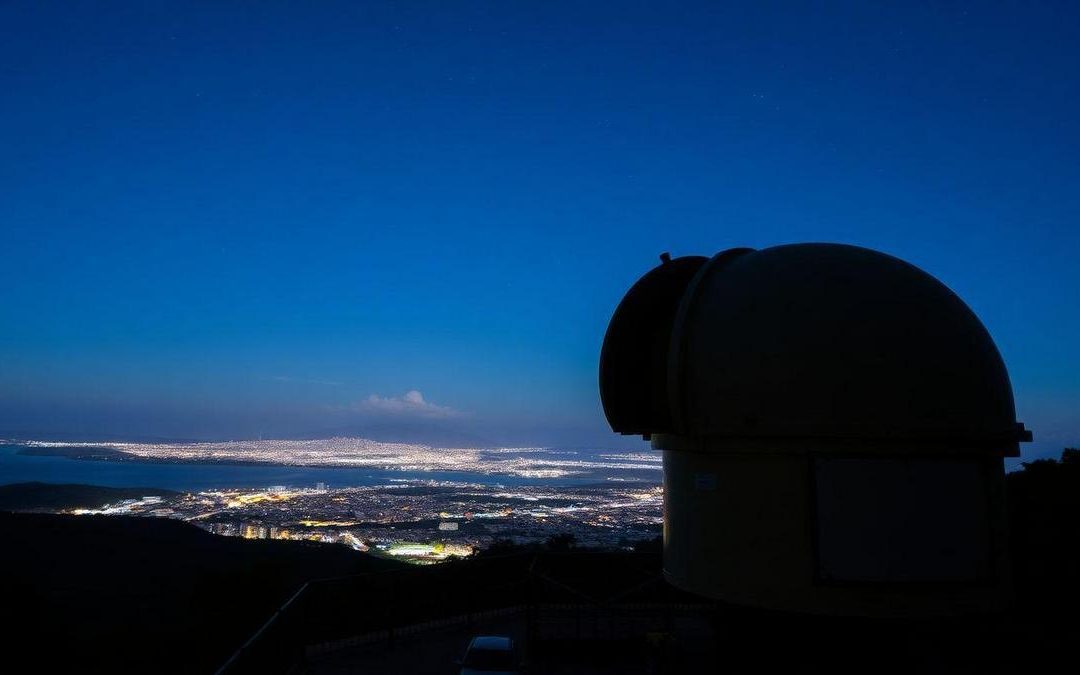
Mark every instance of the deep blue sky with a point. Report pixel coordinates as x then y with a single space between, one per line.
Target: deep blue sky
225 219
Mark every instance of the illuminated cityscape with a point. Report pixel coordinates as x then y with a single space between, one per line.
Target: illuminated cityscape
410 502
416 520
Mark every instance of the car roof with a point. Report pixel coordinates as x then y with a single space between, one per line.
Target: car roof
494 642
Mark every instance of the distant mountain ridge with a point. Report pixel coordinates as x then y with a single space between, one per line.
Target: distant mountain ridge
433 435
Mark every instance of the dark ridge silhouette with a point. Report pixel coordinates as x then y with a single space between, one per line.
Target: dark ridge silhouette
54 496
125 594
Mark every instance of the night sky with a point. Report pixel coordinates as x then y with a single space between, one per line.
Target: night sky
231 219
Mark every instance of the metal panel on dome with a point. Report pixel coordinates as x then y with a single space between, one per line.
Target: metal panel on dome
836 341
902 520
633 361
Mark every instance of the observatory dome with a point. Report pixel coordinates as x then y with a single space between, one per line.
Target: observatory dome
805 341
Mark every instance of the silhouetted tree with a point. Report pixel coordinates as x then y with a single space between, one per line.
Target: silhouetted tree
1044 500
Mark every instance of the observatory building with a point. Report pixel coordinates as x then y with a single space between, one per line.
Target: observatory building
834 423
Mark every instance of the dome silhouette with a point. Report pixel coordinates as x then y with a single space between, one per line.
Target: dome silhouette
833 423
804 341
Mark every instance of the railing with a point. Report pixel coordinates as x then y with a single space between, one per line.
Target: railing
272 645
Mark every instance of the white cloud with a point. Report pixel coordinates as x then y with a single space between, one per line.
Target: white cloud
412 404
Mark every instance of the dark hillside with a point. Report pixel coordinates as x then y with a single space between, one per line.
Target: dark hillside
51 496
146 594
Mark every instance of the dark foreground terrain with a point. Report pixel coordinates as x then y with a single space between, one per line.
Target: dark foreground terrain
119 594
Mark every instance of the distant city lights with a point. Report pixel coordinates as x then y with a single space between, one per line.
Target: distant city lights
360 452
